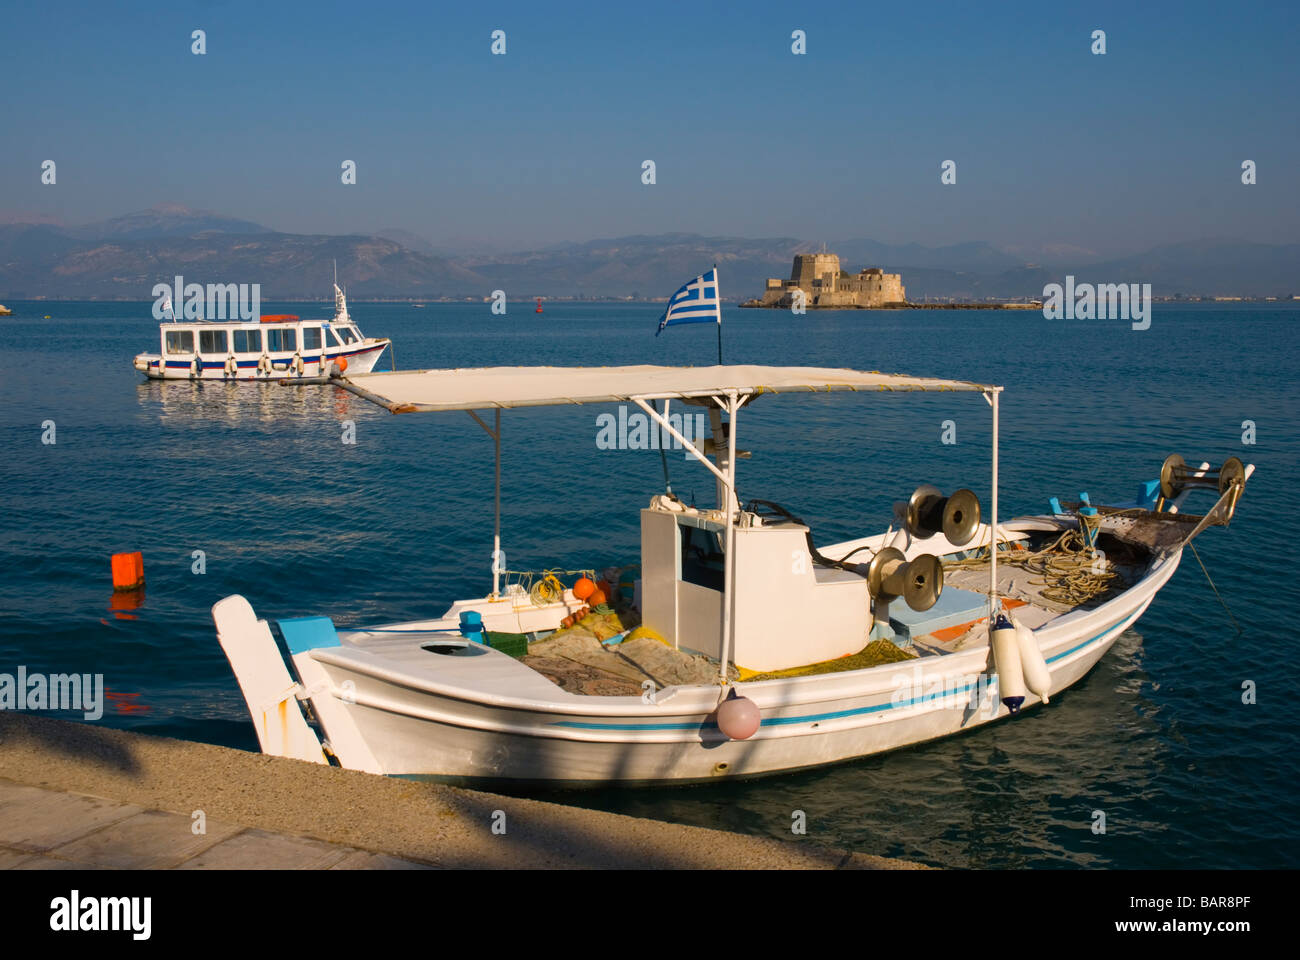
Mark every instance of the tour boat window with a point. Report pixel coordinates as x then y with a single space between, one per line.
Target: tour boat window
281 340
347 334
311 338
180 341
248 341
212 341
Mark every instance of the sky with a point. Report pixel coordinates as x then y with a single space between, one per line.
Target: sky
1053 145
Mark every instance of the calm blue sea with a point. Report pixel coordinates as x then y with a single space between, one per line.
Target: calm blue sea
399 524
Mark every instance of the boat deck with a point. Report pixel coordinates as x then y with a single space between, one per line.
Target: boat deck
1038 578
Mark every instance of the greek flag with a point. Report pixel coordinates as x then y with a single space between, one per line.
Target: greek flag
695 302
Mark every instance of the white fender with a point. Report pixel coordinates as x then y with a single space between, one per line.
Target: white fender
232 365
1006 663
264 364
297 364
1037 677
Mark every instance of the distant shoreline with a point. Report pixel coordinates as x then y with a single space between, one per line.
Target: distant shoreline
752 305
755 305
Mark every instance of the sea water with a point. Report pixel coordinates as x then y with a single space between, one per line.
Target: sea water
253 489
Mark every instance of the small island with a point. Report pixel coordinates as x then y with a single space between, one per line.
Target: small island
817 282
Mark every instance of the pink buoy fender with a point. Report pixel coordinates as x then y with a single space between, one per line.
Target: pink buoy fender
738 717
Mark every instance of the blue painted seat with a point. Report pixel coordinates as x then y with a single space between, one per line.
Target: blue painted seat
952 608
308 633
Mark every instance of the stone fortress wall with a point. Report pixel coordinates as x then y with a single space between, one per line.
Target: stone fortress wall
824 284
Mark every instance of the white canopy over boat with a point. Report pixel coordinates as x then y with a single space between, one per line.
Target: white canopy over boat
480 388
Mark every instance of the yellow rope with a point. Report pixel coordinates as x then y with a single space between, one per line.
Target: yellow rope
544 588
1067 569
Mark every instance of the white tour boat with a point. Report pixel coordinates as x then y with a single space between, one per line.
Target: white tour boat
759 650
273 347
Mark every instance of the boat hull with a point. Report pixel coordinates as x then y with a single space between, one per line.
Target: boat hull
360 359
450 732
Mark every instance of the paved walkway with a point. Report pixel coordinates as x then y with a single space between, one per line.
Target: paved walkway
49 830
79 794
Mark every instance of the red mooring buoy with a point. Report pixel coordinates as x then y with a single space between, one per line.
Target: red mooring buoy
128 571
539 305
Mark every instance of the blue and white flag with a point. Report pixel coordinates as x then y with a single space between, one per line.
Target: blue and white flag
695 302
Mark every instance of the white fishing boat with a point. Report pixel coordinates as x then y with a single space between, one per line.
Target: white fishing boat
272 347
759 650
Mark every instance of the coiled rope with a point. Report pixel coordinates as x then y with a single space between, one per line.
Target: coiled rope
1066 570
546 587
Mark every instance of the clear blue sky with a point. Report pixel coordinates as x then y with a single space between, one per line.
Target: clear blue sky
1053 145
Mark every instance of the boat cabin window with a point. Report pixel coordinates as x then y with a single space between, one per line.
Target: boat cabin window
311 338
180 341
347 334
248 341
702 557
212 341
333 337
281 340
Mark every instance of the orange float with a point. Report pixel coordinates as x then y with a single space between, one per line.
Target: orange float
597 597
279 317
128 571
583 588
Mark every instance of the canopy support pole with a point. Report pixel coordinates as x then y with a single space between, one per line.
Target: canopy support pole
729 559
663 454
496 519
690 447
495 434
993 519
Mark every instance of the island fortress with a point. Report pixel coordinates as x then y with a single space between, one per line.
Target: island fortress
824 284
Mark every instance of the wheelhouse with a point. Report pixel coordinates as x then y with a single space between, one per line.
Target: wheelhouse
213 338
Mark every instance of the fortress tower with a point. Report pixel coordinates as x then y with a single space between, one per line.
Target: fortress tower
824 284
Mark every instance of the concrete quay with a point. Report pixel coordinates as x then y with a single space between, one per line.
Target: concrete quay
77 796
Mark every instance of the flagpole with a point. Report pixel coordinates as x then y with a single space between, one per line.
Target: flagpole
717 287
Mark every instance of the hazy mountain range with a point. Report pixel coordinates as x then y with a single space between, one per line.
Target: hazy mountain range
122 258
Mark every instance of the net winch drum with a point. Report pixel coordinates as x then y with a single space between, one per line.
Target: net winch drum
1176 476
920 581
957 517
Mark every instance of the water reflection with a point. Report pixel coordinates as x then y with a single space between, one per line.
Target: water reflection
122 601
227 402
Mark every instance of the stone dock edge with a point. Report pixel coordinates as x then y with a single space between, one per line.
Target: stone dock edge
390 821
